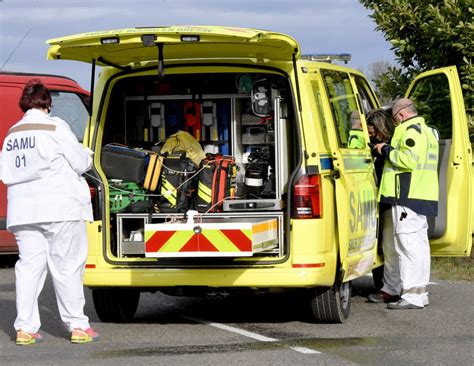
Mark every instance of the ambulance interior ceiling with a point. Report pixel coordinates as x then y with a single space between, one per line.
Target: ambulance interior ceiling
121 124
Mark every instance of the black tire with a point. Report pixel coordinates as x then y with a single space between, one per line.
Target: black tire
115 305
331 305
377 275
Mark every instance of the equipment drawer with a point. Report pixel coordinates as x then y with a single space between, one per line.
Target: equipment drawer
207 235
227 239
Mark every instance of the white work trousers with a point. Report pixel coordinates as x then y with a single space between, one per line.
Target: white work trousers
406 255
61 247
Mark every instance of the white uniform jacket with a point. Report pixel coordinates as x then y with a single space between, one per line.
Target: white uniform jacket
42 166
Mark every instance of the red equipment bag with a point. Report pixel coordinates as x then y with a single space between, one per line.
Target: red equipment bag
192 118
216 182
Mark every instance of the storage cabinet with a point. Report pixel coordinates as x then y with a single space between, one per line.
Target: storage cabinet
227 126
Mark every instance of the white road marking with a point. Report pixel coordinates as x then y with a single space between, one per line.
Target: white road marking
304 350
248 334
245 333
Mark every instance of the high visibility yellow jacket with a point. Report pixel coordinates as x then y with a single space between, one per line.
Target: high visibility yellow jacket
410 175
356 139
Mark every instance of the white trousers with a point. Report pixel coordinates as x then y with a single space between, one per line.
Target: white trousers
406 254
61 247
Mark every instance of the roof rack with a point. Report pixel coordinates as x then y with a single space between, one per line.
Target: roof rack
328 57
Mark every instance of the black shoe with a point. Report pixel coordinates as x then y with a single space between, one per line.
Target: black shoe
402 305
382 297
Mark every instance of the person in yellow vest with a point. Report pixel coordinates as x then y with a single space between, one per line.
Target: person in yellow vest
356 138
410 185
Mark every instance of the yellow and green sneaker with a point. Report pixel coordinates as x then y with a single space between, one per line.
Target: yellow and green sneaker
79 335
25 338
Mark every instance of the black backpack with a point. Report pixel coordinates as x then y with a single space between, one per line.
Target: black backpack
177 183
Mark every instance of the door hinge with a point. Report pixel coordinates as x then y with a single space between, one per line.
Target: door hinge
335 174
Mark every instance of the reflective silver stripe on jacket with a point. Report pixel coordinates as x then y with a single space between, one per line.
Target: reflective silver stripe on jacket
32 127
418 167
396 153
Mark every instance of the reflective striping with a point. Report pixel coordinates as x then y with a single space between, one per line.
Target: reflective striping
264 226
198 243
418 167
178 241
238 238
157 240
169 192
208 240
427 167
32 127
204 192
205 189
357 162
396 154
221 241
215 239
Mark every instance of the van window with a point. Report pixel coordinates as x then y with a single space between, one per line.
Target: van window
71 108
318 99
432 99
343 103
367 98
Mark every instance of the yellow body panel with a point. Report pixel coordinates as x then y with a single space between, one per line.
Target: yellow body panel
280 276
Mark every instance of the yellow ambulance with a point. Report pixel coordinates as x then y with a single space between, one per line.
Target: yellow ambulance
299 208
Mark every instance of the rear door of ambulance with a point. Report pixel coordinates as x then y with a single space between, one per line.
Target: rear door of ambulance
355 185
438 97
135 47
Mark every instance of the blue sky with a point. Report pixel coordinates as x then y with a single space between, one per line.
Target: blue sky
320 26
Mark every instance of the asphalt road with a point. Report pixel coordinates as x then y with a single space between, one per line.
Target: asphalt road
253 330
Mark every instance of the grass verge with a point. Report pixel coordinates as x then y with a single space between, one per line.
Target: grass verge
449 268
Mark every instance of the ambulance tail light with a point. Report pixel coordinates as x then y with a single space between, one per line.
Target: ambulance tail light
307 203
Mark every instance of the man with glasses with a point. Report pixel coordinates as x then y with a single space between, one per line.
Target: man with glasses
410 185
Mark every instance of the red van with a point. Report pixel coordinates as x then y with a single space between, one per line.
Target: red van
70 102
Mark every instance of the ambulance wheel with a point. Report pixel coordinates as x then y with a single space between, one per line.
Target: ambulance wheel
115 305
331 305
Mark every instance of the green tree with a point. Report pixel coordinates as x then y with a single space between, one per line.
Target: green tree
390 82
427 34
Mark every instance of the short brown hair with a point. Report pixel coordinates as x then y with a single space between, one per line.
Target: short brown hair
35 95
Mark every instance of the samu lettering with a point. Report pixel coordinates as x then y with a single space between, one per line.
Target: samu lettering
22 143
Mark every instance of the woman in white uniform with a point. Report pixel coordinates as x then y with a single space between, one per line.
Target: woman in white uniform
48 206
